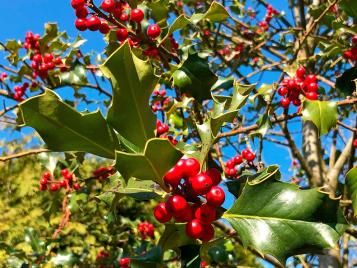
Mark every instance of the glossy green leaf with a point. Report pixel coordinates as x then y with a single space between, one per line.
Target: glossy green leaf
281 220
351 182
64 129
190 256
159 9
158 157
139 190
77 75
215 13
264 125
322 113
151 259
189 78
207 139
349 6
133 81
225 111
175 237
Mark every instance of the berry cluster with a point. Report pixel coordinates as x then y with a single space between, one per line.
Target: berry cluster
160 100
103 172
20 91
41 63
67 182
161 128
120 12
292 87
124 263
264 24
351 53
230 166
195 198
146 229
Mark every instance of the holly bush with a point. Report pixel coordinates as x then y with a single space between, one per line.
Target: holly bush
206 134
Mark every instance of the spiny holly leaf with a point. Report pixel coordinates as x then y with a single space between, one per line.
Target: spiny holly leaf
322 113
64 129
351 182
158 157
139 190
175 237
281 220
215 13
195 78
133 81
225 111
264 125
151 259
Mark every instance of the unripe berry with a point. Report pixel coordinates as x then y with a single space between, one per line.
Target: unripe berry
215 175
176 204
81 24
136 15
194 229
122 34
108 5
153 31
215 197
93 23
162 213
300 72
201 183
206 213
77 3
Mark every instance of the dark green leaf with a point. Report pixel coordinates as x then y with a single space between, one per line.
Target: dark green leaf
190 256
64 129
151 259
175 237
345 83
133 81
281 220
351 182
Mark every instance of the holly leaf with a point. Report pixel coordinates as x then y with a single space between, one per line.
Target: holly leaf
76 76
158 157
189 78
351 182
345 83
139 190
285 220
322 113
151 259
226 110
190 256
133 80
175 237
64 129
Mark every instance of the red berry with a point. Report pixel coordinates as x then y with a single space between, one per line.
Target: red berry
43 181
311 78
215 197
176 204
238 159
185 216
201 183
54 187
194 228
208 233
104 27
136 15
312 87
124 262
153 31
77 3
161 213
206 213
108 5
47 175
296 102
124 17
291 85
245 152
300 72
173 177
76 186
122 34
37 58
250 157
285 102
230 163
81 12
311 95
215 175
43 187
189 167
63 183
81 24
93 23
355 143
282 91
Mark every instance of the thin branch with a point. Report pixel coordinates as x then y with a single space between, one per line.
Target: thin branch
22 154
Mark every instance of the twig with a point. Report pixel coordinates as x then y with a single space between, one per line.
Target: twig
22 154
